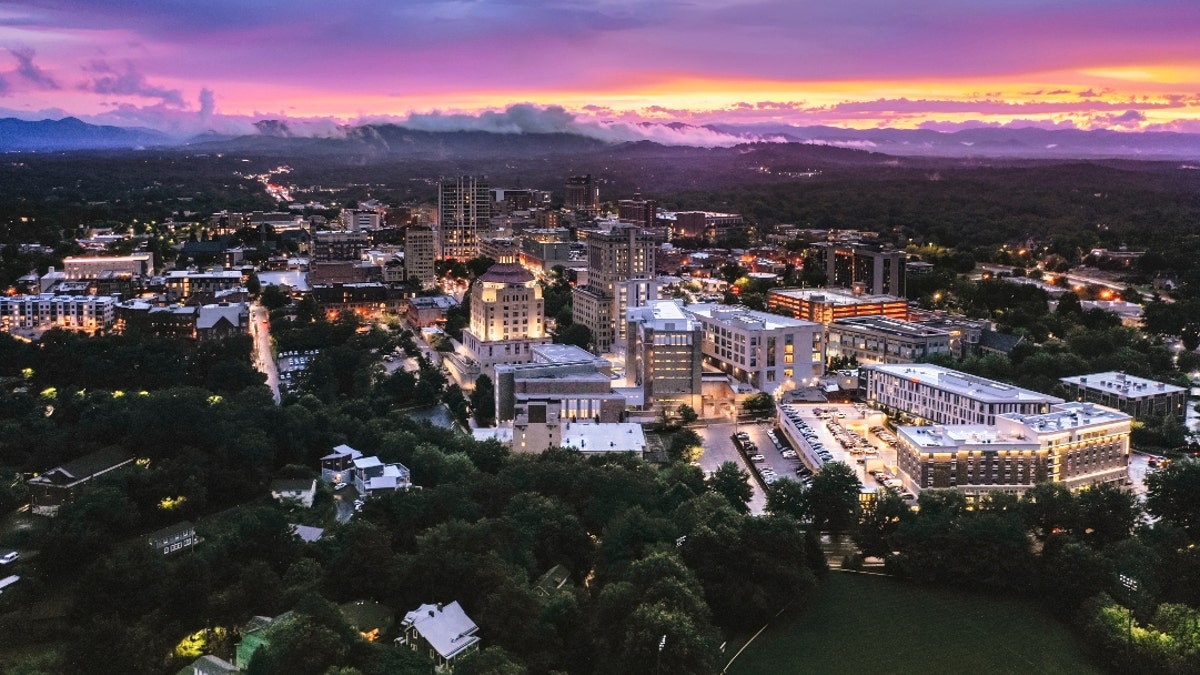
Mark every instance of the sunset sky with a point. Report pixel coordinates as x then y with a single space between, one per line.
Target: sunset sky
187 66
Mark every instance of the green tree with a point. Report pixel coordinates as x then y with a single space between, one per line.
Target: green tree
1173 494
575 334
881 518
687 414
788 498
758 404
483 401
833 498
733 484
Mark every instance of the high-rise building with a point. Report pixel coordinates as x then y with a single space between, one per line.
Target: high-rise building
583 195
877 269
665 354
507 317
464 208
639 211
620 276
420 252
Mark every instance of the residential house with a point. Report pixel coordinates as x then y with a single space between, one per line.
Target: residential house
372 476
209 665
443 632
303 490
337 465
177 537
62 484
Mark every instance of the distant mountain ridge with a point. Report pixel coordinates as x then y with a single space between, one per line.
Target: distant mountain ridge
395 141
70 133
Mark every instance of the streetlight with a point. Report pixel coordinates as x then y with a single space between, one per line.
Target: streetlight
1131 585
662 642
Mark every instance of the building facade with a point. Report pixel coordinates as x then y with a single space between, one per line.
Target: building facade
929 394
878 339
464 208
507 317
764 350
665 354
824 305
620 266
420 254
1135 396
878 269
135 265
583 195
79 313
561 381
1076 444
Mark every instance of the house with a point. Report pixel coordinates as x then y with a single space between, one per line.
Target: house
337 465
372 476
443 632
302 490
308 534
62 484
209 665
173 538
222 320
555 578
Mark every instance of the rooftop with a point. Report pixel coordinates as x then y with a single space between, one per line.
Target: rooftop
1069 416
663 315
1116 382
507 273
834 296
955 382
604 437
86 466
882 324
446 628
739 316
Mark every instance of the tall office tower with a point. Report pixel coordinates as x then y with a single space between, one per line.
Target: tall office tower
420 252
620 276
464 207
583 195
665 355
637 210
879 270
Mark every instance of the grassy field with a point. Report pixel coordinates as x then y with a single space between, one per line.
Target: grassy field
867 624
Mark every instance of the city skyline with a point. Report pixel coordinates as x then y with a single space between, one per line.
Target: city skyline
606 66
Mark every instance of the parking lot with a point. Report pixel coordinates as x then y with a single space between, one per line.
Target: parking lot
719 448
842 433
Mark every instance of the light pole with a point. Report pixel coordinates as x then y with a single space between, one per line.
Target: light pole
662 642
1131 586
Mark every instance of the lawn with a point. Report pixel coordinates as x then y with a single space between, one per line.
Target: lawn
869 624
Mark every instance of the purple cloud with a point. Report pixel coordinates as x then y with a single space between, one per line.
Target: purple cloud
129 83
27 69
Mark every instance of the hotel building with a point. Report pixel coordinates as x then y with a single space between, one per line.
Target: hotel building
763 350
931 394
1136 396
620 265
506 317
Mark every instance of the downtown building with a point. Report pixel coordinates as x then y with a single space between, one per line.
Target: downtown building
420 254
824 305
879 270
1075 444
507 317
1138 397
878 339
766 351
89 314
620 264
664 355
464 208
927 394
582 196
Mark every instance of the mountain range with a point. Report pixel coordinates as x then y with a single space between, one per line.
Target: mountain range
392 141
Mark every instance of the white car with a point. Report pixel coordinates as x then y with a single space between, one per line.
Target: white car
9 557
339 486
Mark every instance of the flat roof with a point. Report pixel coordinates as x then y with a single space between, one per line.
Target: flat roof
963 436
1069 416
604 437
1116 382
956 382
658 311
883 324
743 317
834 296
560 353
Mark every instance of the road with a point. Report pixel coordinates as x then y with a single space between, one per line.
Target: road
264 361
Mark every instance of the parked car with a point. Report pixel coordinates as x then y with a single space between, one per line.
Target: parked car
788 454
339 486
757 459
9 557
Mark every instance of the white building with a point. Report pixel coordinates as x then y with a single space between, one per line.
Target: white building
92 267
81 313
763 350
1076 444
664 354
526 436
507 317
932 394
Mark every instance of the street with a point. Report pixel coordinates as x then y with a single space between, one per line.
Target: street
263 360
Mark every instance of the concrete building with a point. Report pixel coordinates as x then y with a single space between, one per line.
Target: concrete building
361 219
561 381
929 394
638 211
420 253
1138 397
823 305
878 339
181 285
1076 444
665 355
93 267
422 312
588 437
583 195
878 269
464 208
764 350
507 317
89 314
620 265
339 245
706 225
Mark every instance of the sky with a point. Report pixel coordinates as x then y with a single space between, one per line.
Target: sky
604 66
